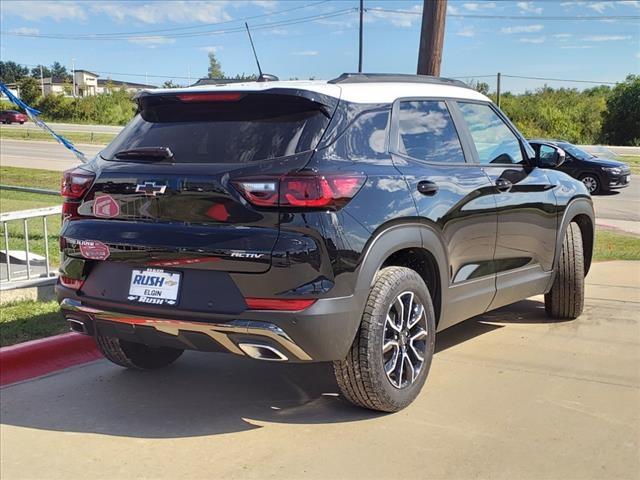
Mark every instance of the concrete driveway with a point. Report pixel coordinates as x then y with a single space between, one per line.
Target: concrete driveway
510 395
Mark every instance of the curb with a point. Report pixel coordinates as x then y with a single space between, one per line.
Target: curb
39 357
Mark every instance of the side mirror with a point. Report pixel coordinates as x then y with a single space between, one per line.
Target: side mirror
550 156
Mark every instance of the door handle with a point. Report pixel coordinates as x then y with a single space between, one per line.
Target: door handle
503 185
426 187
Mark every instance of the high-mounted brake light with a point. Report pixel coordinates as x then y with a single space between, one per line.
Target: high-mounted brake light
210 97
293 305
301 190
75 183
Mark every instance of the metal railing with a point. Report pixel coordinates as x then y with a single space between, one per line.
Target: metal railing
24 216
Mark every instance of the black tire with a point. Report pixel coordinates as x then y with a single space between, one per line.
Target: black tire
136 356
565 300
21 123
361 376
592 182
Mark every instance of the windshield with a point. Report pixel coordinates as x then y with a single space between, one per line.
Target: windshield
575 152
257 127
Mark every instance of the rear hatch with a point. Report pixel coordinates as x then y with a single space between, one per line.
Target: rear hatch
164 193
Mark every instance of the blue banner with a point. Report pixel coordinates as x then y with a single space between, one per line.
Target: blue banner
32 113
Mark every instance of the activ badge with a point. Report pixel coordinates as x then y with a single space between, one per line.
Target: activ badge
94 250
105 206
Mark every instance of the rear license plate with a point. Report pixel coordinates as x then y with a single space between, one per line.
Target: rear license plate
154 286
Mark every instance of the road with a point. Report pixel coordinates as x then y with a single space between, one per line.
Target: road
510 394
69 127
47 155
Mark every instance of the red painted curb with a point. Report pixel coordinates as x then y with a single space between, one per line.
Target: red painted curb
39 357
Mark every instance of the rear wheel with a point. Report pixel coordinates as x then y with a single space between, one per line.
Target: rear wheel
565 300
136 355
592 183
390 357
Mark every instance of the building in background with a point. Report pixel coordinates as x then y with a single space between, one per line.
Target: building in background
88 84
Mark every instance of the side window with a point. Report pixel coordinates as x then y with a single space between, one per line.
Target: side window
365 138
494 141
427 132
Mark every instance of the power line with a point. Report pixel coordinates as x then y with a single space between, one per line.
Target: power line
262 26
559 80
515 17
203 25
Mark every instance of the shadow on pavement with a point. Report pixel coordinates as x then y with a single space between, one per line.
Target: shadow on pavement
204 394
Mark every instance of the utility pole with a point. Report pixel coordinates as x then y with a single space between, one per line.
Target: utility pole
360 43
432 37
73 75
42 81
189 74
498 89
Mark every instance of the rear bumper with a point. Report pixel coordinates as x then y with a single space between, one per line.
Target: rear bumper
323 332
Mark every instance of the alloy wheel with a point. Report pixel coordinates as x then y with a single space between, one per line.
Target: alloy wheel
591 183
405 340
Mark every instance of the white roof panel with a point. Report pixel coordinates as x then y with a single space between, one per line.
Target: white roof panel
374 92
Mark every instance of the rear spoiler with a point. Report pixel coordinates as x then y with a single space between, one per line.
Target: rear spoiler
325 103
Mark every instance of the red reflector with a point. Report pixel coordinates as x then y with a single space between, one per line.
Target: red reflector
71 282
76 182
70 210
210 97
279 304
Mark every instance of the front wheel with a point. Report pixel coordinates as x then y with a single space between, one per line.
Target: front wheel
136 356
592 183
565 300
390 357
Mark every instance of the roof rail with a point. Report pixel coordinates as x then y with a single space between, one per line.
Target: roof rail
395 78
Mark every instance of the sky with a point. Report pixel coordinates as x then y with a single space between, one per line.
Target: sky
153 41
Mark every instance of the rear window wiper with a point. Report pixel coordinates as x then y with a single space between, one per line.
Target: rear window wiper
146 153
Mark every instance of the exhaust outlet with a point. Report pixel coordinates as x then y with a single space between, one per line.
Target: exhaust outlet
77 326
262 352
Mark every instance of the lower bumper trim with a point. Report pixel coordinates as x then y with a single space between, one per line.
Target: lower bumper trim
219 332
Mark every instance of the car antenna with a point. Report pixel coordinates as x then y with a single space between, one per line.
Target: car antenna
264 77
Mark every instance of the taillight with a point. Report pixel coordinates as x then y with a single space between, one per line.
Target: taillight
301 190
69 282
292 305
75 183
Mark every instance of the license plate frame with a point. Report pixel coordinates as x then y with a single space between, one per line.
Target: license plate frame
154 286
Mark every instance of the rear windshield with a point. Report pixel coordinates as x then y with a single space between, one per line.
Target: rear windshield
256 127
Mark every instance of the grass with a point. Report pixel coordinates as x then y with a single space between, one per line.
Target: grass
35 133
11 201
634 162
30 177
29 320
615 246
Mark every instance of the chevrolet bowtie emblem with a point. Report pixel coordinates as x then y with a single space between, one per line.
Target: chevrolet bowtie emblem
150 188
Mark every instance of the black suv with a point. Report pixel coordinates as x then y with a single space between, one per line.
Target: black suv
343 221
598 174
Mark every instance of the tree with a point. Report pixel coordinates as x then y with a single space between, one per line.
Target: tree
11 72
35 71
243 76
59 70
170 84
29 89
621 119
482 87
215 69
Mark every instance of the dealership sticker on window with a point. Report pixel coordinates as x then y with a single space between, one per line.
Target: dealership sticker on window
94 250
